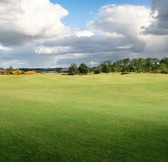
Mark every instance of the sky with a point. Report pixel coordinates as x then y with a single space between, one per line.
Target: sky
85 10
57 33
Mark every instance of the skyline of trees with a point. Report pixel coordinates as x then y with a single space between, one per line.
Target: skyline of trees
138 65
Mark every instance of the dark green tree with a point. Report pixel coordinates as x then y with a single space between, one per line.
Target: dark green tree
164 61
126 61
163 68
97 70
83 69
117 66
106 66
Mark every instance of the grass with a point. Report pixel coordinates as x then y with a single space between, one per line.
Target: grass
100 118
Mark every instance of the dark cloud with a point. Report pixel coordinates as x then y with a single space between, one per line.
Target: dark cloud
160 12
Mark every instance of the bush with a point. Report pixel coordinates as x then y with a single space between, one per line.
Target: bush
157 71
2 72
30 73
164 72
17 72
124 73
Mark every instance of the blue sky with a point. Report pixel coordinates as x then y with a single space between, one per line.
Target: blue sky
81 11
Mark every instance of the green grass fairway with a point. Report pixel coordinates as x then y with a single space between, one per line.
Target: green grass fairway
94 118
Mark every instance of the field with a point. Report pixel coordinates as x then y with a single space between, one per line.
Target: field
94 118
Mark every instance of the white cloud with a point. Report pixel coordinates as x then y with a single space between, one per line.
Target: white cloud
28 19
3 48
52 50
125 47
117 32
125 20
84 33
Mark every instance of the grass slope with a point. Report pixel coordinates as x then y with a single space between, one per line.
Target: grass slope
103 118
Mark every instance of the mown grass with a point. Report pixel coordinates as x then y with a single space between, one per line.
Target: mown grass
94 118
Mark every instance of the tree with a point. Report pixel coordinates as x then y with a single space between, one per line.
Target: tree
73 69
126 61
97 70
164 61
163 68
106 66
10 70
83 69
117 66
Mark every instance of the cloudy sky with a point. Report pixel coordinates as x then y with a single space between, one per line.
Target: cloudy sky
43 33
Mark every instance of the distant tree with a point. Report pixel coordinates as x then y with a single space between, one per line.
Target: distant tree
148 64
140 65
83 69
10 70
163 68
156 61
106 66
126 61
97 70
108 62
117 66
131 68
73 69
164 61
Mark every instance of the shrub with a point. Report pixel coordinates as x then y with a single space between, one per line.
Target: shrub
164 72
17 72
124 73
30 73
2 72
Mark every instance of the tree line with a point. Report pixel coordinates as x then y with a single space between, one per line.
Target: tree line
138 65
150 65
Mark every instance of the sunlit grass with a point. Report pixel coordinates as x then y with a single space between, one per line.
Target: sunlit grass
94 118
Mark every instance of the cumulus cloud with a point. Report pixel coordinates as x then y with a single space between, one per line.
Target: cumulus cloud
115 18
125 21
118 31
84 33
115 33
24 20
160 14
